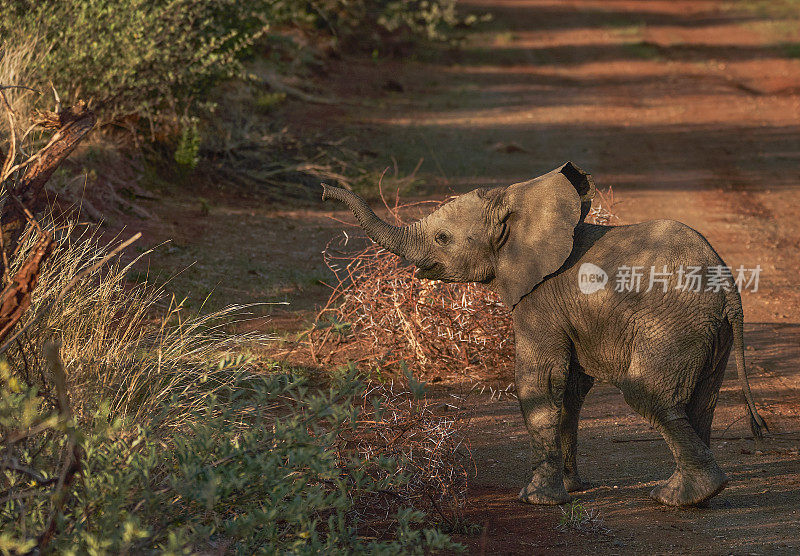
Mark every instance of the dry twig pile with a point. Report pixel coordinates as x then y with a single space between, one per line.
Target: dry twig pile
380 313
396 423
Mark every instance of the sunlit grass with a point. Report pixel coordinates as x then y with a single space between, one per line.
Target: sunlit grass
129 344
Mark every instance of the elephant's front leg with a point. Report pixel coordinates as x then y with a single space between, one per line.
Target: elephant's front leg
577 386
541 391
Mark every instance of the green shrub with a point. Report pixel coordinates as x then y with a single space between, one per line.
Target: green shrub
431 19
268 101
138 56
153 57
259 475
188 149
369 20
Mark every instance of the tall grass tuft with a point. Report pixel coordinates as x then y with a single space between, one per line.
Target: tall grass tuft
18 61
131 345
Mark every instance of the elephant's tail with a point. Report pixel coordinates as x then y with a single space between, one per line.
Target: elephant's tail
735 316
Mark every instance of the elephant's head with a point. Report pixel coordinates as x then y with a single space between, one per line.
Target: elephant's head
507 237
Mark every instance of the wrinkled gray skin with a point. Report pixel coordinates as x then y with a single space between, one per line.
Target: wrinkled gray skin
666 351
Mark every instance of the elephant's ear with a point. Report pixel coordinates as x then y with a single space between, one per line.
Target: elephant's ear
540 216
583 184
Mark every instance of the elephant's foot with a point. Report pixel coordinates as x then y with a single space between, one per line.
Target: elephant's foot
546 486
538 494
691 487
573 483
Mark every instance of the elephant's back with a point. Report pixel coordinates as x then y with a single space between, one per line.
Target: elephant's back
651 280
651 243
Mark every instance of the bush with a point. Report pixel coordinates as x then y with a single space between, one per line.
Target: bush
246 477
371 21
138 56
147 58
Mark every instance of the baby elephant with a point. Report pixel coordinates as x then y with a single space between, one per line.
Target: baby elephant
661 330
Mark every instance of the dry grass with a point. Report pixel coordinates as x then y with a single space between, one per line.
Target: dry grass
129 345
381 316
602 211
17 63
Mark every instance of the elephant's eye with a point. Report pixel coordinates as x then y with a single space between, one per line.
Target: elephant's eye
442 238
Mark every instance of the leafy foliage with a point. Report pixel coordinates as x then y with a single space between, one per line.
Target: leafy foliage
370 21
186 154
145 57
136 56
256 475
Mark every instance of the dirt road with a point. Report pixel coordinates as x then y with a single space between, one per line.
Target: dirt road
691 111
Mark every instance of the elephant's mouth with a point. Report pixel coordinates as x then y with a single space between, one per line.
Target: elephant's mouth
431 272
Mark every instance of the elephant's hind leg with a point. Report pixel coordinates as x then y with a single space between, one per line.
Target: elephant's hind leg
661 386
700 409
697 476
577 386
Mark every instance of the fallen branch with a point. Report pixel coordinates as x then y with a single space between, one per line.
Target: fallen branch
16 297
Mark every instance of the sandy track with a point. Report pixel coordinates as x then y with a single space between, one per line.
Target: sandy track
691 111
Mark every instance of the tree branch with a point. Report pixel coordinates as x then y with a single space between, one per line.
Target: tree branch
71 126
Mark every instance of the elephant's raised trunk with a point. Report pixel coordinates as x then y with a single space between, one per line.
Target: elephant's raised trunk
405 241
